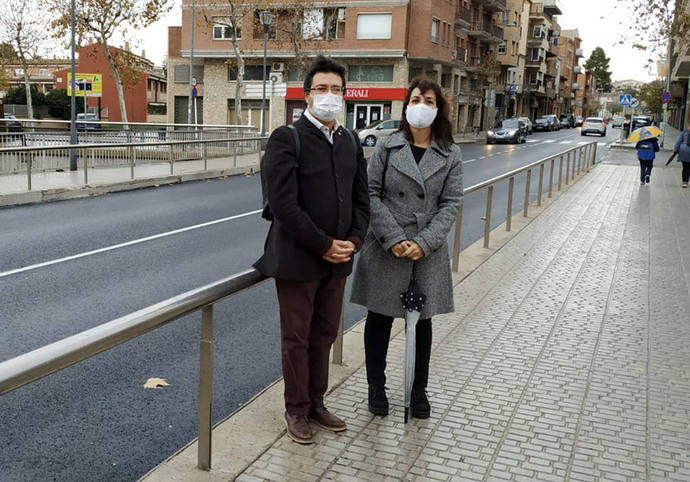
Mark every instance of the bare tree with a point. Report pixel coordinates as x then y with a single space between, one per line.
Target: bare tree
21 26
100 20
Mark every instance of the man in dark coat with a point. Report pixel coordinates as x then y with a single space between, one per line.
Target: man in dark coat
320 207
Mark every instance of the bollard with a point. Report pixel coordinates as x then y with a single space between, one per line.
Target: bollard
456 240
205 388
487 216
509 212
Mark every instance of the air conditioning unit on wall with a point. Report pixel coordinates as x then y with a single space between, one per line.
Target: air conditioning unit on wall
277 67
276 77
341 15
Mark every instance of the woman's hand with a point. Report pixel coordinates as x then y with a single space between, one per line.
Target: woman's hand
413 251
399 249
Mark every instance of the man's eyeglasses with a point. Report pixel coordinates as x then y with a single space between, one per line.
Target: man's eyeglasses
322 89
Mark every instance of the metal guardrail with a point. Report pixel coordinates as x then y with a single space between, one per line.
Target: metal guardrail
31 366
147 125
117 154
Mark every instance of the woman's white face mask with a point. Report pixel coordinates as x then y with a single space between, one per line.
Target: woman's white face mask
420 115
327 106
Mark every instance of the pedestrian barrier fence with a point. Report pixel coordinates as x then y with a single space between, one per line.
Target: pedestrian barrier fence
43 361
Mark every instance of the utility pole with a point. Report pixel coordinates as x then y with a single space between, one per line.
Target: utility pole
669 53
191 68
73 98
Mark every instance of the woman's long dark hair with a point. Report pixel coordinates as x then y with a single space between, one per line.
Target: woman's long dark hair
441 129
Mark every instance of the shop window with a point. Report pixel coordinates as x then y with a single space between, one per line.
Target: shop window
374 25
251 112
222 29
414 72
370 73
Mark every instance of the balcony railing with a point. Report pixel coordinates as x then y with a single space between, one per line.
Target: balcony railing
497 32
460 55
579 53
463 17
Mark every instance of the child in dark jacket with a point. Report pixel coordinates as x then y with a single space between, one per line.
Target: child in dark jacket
646 152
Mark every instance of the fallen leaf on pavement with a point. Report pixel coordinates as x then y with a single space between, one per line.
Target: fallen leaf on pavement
156 383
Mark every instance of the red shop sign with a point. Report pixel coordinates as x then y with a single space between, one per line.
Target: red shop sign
357 93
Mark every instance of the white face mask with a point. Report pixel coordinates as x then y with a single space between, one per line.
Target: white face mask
327 106
420 115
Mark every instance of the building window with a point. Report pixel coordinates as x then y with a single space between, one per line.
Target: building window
251 72
222 29
181 74
502 48
370 73
295 75
506 17
374 25
413 73
44 73
320 23
18 72
434 29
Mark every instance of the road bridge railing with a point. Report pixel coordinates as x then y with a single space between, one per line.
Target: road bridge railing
31 366
28 160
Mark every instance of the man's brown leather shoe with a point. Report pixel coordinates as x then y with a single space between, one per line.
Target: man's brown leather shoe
298 428
325 419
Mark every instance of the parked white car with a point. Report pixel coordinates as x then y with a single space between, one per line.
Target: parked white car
375 131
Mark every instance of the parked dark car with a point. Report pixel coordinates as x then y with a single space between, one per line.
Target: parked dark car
89 122
567 120
542 125
578 121
11 124
528 123
511 130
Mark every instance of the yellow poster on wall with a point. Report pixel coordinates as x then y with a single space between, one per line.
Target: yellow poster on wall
92 84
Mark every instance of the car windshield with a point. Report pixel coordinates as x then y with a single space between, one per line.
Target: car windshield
594 120
510 124
524 119
541 121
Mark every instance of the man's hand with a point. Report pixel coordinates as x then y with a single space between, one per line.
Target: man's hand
399 249
339 252
413 251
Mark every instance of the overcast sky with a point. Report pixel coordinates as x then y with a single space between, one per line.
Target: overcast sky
602 23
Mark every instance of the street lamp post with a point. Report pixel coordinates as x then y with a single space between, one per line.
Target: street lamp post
73 98
266 19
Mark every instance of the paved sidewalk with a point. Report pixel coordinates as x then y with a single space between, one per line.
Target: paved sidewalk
566 359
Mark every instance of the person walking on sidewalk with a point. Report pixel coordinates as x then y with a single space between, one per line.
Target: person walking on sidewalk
320 209
682 149
415 189
646 153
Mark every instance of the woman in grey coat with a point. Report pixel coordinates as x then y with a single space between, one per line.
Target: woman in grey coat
682 149
415 190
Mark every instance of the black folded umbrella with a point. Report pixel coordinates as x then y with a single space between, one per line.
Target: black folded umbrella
413 302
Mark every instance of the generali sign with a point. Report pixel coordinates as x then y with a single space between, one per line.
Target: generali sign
357 93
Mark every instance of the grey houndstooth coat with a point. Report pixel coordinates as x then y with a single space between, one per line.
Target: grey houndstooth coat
417 202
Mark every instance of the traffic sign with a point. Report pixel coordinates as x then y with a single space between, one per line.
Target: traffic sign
625 99
666 97
634 103
193 80
194 92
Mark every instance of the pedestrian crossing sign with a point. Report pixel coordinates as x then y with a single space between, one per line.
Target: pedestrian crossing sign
625 99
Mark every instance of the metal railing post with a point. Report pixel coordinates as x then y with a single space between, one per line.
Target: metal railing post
528 185
171 160
541 183
487 216
567 168
594 155
560 173
338 343
86 167
204 149
133 160
205 388
456 240
509 211
29 161
553 166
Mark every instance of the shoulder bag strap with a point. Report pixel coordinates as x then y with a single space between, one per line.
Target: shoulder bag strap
298 147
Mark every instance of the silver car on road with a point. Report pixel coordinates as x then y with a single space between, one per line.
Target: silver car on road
375 131
593 125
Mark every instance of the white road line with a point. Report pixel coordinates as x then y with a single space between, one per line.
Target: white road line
532 140
124 245
582 143
602 144
482 157
566 142
549 141
469 160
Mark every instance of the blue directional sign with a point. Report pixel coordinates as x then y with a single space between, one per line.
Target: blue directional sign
625 99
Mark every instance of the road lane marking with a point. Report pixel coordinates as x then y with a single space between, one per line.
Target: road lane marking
549 141
602 144
124 245
582 143
566 142
469 160
532 140
483 157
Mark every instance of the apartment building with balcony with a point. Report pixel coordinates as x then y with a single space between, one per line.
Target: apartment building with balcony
679 107
570 53
512 54
383 45
542 65
479 31
586 96
41 73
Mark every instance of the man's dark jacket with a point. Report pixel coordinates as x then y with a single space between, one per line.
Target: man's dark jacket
324 198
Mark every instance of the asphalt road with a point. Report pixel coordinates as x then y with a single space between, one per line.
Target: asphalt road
95 421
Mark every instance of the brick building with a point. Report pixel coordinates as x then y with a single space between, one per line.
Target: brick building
570 51
41 73
147 95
